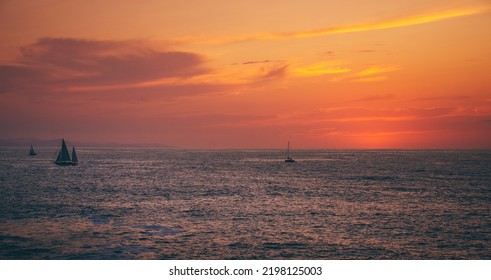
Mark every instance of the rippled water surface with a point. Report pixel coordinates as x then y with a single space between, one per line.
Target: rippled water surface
185 204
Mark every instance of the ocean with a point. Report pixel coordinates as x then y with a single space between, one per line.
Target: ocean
245 204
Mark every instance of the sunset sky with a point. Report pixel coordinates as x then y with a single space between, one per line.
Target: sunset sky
248 74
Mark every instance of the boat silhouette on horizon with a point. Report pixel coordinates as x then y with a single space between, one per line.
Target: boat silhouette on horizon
63 157
288 158
32 152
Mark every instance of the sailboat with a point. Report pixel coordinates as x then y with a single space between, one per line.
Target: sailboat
32 152
63 156
288 158
74 156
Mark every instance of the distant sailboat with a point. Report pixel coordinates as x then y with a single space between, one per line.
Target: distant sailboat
74 156
63 156
32 152
288 158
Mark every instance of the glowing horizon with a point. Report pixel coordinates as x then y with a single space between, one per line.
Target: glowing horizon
400 74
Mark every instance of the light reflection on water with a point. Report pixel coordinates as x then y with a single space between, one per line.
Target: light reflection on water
185 204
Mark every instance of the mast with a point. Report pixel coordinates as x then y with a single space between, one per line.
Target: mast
288 150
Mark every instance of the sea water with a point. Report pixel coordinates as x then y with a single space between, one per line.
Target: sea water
245 204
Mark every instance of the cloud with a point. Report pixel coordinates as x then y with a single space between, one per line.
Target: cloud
370 74
403 21
255 62
328 53
56 67
371 98
367 51
15 78
374 70
57 64
274 72
333 132
319 69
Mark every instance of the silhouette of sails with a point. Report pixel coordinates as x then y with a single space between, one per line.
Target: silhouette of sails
64 157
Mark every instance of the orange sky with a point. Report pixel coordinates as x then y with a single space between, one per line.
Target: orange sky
248 74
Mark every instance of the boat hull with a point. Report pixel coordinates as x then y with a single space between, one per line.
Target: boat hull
65 163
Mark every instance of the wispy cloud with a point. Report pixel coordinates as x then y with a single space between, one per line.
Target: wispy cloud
332 132
367 51
255 62
375 70
321 69
409 20
374 73
274 72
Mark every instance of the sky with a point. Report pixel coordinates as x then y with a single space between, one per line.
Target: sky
322 74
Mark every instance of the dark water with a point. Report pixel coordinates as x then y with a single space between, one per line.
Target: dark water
176 204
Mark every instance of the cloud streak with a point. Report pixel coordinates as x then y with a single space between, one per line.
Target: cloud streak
319 69
410 20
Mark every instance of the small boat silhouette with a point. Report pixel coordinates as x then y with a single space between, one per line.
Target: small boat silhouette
288 158
32 152
63 156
